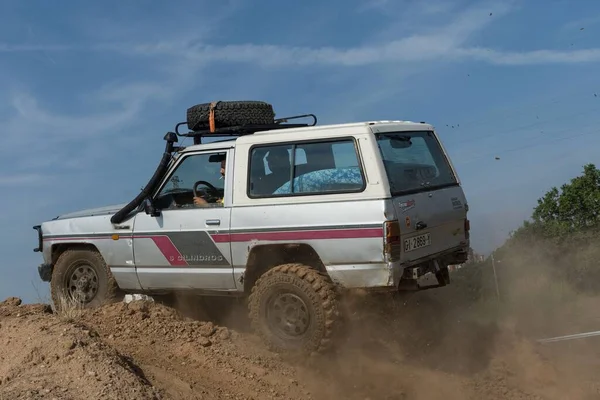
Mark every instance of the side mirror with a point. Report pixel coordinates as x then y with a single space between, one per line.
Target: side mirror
150 209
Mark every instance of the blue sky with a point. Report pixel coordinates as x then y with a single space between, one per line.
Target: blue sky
90 88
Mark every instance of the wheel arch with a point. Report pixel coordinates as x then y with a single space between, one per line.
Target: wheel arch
57 249
264 257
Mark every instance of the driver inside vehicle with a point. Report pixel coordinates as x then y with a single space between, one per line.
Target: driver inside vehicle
201 201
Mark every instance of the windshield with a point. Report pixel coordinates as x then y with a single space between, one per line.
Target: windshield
414 161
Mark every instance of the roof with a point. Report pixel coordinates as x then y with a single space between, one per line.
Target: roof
310 131
345 126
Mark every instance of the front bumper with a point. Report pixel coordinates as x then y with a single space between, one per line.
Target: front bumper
45 271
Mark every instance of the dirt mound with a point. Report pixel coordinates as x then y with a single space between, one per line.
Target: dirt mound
411 349
192 359
45 357
124 322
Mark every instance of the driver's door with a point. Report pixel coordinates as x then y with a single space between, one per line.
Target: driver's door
177 249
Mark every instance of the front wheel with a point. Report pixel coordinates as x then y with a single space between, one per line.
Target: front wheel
81 278
294 308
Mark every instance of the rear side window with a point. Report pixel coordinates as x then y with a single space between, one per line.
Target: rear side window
414 161
305 168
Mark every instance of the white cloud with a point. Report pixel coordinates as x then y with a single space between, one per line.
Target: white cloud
444 43
21 48
532 57
34 117
177 60
413 49
417 48
411 7
21 179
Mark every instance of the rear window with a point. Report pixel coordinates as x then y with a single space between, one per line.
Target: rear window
414 161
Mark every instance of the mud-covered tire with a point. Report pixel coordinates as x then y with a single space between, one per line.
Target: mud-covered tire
75 263
307 286
230 113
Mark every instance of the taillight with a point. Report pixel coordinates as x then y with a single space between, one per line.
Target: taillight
391 240
467 228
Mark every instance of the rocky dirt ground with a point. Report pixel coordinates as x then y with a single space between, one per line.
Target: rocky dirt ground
403 349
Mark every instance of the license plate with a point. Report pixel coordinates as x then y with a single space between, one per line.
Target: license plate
417 242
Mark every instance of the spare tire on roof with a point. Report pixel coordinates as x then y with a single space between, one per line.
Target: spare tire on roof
230 113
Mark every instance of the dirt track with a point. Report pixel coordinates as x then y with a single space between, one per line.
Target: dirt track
143 350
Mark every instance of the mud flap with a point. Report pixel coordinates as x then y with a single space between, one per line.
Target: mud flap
45 271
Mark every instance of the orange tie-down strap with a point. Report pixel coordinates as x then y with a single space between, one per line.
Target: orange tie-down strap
211 116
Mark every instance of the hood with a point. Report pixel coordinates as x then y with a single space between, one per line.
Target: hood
90 212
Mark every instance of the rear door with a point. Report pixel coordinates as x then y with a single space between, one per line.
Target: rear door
430 222
428 200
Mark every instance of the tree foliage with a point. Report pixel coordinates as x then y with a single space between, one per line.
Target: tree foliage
559 240
573 208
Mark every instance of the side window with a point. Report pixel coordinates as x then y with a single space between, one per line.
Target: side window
270 167
198 175
318 168
344 155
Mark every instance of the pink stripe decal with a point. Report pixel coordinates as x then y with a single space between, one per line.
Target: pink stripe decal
172 254
107 237
166 246
299 235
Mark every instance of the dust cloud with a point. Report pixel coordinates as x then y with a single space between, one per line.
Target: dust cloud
456 342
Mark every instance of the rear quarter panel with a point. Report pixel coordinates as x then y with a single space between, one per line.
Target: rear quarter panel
346 230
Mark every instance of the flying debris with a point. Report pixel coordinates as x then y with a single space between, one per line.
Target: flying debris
497 158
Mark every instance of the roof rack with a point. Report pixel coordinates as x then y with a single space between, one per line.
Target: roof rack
244 130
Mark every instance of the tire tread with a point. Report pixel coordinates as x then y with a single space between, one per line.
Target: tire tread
230 113
113 293
323 291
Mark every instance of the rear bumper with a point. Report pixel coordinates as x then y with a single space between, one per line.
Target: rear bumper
432 272
391 274
455 255
45 271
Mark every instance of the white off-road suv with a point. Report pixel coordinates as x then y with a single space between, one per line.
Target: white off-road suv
287 214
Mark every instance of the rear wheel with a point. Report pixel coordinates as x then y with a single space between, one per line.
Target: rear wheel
81 278
294 308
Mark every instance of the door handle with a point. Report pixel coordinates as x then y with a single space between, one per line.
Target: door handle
213 222
420 225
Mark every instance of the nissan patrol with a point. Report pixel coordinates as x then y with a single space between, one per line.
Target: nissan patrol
285 214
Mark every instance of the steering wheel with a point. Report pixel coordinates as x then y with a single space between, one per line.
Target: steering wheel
212 191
